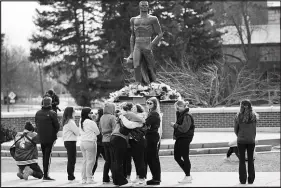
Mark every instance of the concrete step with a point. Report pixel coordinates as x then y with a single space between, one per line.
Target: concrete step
162 152
219 150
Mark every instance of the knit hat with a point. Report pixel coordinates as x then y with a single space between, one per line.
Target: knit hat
47 101
28 126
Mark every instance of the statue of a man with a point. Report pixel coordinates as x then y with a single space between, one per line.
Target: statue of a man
143 27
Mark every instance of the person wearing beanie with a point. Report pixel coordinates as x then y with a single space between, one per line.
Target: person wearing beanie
26 153
47 126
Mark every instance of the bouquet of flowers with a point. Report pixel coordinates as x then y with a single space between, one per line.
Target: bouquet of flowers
161 90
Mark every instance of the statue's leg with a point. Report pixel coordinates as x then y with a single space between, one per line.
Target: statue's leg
136 62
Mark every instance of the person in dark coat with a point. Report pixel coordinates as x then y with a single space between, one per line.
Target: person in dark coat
245 129
47 126
183 134
26 153
55 100
153 139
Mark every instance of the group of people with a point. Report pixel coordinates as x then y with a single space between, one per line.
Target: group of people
120 134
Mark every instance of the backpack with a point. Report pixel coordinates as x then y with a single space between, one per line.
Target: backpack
139 133
123 130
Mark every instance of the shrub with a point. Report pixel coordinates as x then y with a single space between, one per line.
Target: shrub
7 133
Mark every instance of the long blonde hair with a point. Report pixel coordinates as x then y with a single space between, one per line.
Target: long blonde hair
156 105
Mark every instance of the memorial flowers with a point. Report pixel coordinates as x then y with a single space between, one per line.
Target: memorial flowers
163 91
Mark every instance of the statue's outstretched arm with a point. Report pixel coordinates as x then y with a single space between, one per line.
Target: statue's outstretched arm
157 29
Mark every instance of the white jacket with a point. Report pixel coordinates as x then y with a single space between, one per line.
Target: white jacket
90 130
70 131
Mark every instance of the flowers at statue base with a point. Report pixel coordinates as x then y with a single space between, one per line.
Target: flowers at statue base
161 90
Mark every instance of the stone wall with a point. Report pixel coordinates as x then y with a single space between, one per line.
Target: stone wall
204 117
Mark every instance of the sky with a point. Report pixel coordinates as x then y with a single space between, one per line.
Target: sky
17 21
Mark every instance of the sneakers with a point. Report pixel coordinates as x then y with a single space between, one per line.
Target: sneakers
90 181
141 183
129 179
20 175
27 172
136 180
84 181
186 179
127 185
227 159
48 179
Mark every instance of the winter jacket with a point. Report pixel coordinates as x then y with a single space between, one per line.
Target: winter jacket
90 130
153 121
246 132
26 152
107 121
184 127
47 125
134 122
55 102
70 131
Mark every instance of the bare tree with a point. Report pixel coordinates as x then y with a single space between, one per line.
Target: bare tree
208 86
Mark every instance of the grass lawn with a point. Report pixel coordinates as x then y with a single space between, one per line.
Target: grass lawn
265 162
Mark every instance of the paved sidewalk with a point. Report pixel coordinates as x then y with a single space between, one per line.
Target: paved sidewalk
169 179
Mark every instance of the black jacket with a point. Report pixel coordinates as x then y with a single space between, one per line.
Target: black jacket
55 101
184 127
47 125
153 122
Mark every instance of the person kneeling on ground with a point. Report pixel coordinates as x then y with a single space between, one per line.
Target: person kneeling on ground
26 153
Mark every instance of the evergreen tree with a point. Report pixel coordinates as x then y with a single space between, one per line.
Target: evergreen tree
66 36
189 30
115 36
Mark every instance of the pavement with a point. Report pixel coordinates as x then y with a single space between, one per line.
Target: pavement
169 179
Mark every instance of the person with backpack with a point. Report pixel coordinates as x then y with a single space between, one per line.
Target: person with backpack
119 145
26 153
183 134
137 144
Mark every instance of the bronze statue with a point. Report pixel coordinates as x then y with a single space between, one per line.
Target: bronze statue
143 27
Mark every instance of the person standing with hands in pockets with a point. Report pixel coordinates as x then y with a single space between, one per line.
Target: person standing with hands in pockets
183 134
